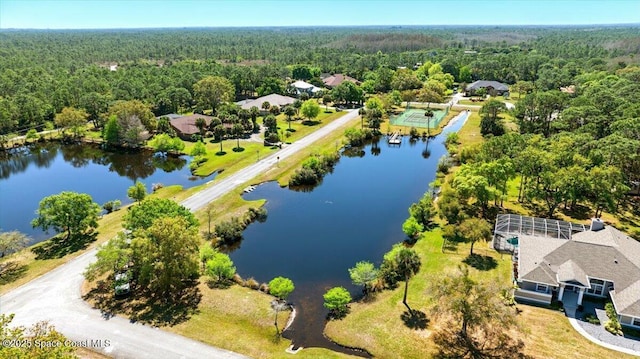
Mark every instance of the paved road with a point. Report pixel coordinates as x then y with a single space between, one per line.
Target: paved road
207 195
55 296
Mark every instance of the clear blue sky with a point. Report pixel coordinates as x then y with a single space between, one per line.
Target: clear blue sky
91 14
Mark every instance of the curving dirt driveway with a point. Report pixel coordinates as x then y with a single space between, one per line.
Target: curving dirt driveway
55 296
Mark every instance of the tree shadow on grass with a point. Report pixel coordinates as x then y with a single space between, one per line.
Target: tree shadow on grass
338 315
450 246
144 307
11 271
238 149
481 262
221 153
310 123
59 246
577 212
416 320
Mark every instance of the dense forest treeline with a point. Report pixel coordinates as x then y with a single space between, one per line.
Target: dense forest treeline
42 72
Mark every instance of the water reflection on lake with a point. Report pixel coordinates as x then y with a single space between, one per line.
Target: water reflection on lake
28 174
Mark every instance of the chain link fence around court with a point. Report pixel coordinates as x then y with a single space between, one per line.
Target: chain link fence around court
414 117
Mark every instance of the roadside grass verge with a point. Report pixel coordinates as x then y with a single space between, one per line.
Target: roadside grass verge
304 127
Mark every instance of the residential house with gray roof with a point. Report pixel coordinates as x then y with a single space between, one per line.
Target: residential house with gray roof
494 88
571 262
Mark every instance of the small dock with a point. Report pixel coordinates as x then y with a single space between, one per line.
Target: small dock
249 189
395 139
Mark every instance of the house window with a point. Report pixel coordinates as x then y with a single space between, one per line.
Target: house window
542 288
636 322
597 287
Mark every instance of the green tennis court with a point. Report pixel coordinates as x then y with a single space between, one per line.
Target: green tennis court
414 117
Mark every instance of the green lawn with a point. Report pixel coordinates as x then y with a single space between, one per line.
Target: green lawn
241 320
469 134
511 99
304 127
230 159
377 326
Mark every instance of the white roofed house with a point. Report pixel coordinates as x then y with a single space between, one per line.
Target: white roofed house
300 86
568 261
273 100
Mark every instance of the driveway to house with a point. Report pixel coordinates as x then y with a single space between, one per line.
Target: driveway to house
55 296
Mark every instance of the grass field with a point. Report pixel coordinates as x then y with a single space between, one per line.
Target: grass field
466 101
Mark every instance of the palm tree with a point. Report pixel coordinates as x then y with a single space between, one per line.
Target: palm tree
219 131
254 112
289 111
374 119
266 105
201 123
429 115
244 114
237 131
362 112
325 100
408 264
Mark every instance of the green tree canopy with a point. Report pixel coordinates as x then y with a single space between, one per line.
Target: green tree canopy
400 264
112 256
411 227
41 332
281 287
473 230
336 300
137 192
73 118
69 212
310 109
165 256
220 267
205 253
127 111
364 273
482 317
199 149
142 215
212 91
166 143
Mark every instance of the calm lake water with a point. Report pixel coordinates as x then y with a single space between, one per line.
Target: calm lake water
356 214
31 173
